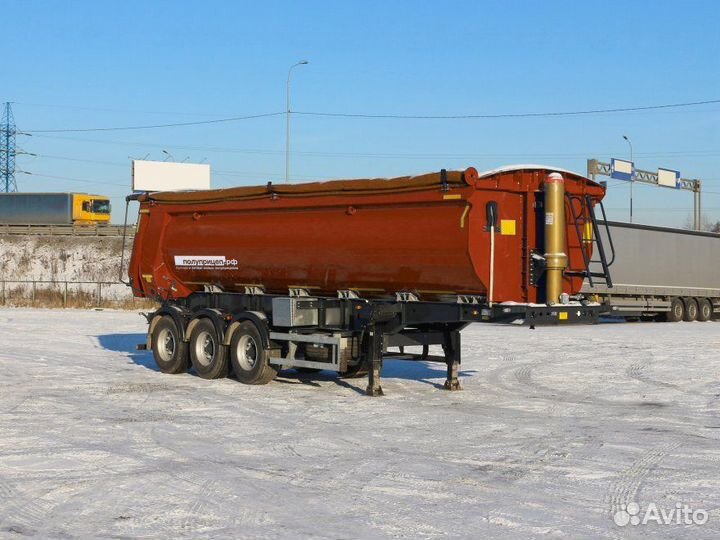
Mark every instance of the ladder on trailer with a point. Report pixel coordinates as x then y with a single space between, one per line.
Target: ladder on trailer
588 235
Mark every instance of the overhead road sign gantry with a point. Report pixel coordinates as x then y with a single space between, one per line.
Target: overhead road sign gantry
667 178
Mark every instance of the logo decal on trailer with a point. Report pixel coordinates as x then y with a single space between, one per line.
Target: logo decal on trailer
204 261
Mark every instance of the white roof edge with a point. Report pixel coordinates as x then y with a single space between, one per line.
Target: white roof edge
519 167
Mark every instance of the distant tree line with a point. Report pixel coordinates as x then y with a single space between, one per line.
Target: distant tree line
706 225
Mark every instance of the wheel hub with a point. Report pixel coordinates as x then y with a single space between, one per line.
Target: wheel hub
205 348
247 352
166 348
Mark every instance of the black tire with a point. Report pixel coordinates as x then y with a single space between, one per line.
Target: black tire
677 311
208 355
250 360
691 310
169 350
705 310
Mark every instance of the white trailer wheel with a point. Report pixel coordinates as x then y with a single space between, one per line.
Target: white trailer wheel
169 350
246 351
677 311
166 344
205 348
705 310
208 355
250 360
691 310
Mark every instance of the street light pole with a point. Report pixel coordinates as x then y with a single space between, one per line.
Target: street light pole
632 176
287 121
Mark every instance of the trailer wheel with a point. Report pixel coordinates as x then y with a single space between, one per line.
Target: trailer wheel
249 359
207 354
169 350
691 310
677 311
705 310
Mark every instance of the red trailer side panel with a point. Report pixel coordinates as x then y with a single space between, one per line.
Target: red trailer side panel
379 237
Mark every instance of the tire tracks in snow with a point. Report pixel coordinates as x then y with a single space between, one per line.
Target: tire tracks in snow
522 374
637 370
627 484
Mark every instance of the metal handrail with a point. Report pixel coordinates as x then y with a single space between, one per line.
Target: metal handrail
586 203
601 247
607 230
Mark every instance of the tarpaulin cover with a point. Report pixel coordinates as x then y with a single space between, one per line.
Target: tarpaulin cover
331 187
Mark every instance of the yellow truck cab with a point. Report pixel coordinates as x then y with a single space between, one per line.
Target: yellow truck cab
89 209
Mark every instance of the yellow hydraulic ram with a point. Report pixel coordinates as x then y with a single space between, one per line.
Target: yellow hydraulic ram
555 242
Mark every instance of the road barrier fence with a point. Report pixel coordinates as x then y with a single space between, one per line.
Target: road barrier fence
66 293
66 230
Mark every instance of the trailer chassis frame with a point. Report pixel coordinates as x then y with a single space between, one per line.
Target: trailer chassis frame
378 324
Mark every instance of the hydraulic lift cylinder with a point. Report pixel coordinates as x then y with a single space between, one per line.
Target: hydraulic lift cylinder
555 240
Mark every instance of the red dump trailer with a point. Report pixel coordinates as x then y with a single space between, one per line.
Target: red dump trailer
328 275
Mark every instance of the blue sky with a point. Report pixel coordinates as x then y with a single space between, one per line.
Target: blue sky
97 64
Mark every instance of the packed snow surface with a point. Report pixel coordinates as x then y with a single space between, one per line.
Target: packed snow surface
556 431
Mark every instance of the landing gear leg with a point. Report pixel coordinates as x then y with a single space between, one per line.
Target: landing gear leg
374 352
452 358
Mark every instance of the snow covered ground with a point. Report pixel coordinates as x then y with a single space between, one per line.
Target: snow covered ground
555 431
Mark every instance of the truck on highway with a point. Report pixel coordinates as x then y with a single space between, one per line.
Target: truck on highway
53 209
658 272
330 275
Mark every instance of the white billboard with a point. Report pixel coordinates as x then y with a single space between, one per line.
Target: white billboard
169 176
668 178
621 169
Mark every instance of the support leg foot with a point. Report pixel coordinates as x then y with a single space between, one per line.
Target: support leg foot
453 386
373 387
375 352
452 357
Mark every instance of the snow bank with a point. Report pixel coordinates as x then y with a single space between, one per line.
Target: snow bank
60 259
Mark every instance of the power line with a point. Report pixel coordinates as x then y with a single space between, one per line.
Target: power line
424 155
156 126
113 110
81 180
513 115
658 209
392 116
216 115
80 160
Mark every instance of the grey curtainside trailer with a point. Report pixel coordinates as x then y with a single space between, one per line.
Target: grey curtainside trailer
673 274
36 208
